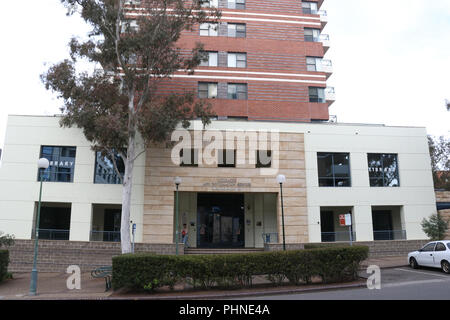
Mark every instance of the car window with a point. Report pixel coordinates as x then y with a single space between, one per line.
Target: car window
440 247
448 245
429 247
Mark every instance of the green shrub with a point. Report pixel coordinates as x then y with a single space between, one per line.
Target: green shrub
4 261
149 272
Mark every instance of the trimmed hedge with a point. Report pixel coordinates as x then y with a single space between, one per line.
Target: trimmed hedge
149 271
4 261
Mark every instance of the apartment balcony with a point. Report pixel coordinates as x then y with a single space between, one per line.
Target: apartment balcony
325 66
323 17
330 95
325 39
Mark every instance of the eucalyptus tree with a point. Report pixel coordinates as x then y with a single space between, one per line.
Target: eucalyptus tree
121 107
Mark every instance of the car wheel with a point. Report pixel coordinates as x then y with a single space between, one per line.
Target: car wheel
446 266
413 263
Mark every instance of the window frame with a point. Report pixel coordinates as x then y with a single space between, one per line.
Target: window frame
238 4
397 172
312 37
319 99
48 174
236 31
306 7
211 26
208 62
118 179
236 59
208 84
334 178
238 92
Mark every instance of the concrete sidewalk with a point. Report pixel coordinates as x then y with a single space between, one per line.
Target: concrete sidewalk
52 286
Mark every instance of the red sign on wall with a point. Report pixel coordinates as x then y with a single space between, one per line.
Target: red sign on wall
342 220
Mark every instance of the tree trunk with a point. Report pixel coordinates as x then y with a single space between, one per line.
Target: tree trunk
126 197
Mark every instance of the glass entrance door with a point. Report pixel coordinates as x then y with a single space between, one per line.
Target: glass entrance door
220 220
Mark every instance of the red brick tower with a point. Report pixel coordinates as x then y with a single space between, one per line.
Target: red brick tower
265 61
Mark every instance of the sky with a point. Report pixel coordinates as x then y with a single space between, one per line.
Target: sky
391 59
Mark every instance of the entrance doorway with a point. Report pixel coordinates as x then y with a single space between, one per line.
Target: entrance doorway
220 220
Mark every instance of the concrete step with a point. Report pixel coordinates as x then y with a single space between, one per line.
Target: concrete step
221 251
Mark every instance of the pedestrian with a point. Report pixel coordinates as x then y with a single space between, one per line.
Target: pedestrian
184 234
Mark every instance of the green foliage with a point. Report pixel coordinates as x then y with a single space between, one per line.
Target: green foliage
149 272
6 240
440 161
4 261
435 227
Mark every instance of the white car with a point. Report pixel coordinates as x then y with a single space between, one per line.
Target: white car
435 254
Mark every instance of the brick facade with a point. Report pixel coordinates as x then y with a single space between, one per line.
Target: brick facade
56 256
377 249
276 74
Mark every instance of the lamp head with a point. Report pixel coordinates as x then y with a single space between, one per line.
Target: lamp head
281 178
177 181
43 163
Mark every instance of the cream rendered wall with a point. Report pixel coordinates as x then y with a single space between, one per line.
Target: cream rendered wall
19 188
415 194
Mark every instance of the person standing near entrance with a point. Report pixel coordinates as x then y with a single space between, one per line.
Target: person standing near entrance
184 234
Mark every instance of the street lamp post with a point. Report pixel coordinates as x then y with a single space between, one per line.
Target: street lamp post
177 183
282 179
43 164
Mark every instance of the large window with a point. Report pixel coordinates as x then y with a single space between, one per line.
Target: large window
236 4
334 169
105 171
317 95
207 90
237 60
212 59
208 29
383 170
312 35
62 163
236 30
237 91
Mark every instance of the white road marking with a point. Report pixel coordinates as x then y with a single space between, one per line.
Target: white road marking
411 283
425 273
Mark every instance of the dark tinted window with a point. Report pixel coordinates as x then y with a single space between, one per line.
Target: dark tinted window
237 91
383 170
429 247
62 163
317 95
105 171
334 169
440 247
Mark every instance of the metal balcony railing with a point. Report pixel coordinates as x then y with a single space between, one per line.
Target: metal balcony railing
389 235
340 236
107 236
52 234
270 237
326 63
324 37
